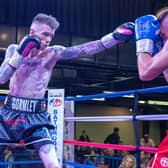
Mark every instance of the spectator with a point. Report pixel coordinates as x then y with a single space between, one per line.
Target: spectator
91 161
123 153
9 157
109 160
83 150
144 159
147 141
84 137
129 161
113 138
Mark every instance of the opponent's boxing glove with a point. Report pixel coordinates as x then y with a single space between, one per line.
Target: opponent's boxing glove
146 31
26 45
122 33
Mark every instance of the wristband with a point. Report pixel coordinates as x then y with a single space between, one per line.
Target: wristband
144 46
108 41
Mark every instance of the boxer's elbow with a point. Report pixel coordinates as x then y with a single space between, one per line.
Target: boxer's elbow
3 80
145 77
148 75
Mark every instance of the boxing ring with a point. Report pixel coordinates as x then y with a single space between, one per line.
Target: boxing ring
135 117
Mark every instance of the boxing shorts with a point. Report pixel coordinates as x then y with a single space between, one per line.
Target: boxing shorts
25 119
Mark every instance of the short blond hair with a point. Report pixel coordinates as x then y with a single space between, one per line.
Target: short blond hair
46 19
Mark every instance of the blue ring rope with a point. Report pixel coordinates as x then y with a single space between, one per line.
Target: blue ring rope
135 126
79 165
20 162
111 95
119 94
39 161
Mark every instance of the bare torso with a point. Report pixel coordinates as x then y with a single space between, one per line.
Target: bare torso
30 80
32 77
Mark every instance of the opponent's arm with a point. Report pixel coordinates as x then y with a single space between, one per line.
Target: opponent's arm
146 31
121 34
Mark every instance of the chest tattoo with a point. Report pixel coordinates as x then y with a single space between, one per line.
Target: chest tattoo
32 64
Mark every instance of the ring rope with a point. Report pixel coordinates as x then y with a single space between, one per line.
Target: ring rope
118 118
39 161
115 94
21 162
118 94
135 127
111 146
78 165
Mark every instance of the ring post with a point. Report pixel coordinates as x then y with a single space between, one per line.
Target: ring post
135 126
56 109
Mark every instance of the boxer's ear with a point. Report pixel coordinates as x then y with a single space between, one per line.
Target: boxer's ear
31 31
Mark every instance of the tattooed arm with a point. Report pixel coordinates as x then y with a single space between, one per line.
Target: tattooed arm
6 71
89 48
122 33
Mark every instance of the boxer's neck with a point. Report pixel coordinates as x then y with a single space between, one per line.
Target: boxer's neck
34 53
38 53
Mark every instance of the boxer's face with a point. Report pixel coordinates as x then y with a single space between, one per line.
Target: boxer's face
44 32
164 28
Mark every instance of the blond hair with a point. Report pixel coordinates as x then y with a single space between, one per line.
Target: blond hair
122 165
46 19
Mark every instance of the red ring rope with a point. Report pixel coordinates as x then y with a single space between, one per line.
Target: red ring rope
119 147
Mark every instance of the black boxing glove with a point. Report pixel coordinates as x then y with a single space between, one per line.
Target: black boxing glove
27 43
122 33
25 46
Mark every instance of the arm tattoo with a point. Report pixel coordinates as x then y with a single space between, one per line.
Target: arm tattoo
74 52
89 48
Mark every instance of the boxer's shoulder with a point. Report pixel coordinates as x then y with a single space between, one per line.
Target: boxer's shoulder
11 49
57 48
12 46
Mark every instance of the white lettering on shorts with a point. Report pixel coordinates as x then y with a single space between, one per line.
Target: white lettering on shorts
24 105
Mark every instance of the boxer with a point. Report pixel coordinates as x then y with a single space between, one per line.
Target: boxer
147 30
28 66
151 30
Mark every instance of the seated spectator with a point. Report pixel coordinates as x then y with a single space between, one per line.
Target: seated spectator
144 164
147 141
109 152
122 153
9 157
108 160
145 157
129 161
91 161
